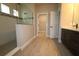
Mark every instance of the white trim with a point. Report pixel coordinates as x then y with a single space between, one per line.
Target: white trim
38 21
59 36
27 43
12 52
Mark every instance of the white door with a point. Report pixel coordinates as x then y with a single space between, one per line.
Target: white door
53 25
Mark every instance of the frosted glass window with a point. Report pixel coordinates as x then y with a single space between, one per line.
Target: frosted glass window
5 9
15 13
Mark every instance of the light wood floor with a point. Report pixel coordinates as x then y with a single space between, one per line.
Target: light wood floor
42 46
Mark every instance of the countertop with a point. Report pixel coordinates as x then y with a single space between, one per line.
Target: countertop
71 28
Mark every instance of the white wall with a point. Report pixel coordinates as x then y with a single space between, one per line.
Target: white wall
7 29
24 33
46 7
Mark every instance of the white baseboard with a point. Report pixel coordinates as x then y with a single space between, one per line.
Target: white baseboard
27 43
12 52
59 41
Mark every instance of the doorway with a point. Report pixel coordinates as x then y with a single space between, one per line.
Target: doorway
48 24
42 23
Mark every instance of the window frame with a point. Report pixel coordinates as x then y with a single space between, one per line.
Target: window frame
11 12
7 12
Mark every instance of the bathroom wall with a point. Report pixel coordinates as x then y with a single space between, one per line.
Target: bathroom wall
47 7
7 29
66 15
69 15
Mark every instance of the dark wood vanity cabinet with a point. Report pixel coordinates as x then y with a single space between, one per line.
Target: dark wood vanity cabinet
70 39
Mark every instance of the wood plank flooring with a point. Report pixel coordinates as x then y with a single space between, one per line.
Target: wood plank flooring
42 46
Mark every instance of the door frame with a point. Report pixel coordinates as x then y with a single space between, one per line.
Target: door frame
38 22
